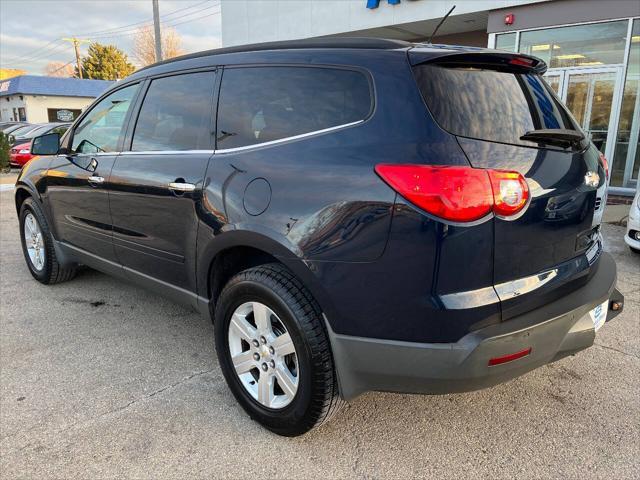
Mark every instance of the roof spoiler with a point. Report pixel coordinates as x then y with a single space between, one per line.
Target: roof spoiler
490 59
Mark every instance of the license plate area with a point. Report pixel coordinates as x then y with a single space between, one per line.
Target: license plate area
599 315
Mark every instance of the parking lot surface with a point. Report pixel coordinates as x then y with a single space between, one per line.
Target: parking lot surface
99 378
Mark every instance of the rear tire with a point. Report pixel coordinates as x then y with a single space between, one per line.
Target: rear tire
290 309
37 246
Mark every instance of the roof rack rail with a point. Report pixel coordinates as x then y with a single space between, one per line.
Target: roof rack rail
332 42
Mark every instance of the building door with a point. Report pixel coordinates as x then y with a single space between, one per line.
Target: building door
591 95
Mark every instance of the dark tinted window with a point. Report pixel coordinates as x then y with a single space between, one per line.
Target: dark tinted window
101 129
176 114
490 105
263 104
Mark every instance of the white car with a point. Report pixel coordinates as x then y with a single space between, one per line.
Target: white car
633 225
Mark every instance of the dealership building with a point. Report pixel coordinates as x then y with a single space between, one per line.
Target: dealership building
37 99
592 48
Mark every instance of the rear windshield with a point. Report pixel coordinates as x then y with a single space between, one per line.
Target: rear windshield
490 105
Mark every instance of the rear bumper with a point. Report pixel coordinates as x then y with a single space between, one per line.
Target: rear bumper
552 332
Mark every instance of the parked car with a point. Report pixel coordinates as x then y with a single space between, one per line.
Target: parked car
6 125
632 238
354 214
21 136
8 129
21 131
21 150
20 154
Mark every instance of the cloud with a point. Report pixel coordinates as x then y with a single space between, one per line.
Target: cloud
49 21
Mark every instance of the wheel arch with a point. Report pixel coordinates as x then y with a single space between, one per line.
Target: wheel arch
26 190
233 251
21 194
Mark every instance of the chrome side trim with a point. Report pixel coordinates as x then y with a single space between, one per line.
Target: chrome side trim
166 152
288 139
470 298
524 285
496 293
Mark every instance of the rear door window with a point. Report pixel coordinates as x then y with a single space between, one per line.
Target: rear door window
176 114
263 104
490 105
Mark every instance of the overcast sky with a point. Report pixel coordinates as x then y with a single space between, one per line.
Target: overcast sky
31 30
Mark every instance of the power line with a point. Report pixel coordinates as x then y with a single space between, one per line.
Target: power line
44 54
144 22
37 51
166 24
66 64
195 19
53 45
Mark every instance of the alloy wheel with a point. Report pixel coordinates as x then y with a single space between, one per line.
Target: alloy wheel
34 242
263 355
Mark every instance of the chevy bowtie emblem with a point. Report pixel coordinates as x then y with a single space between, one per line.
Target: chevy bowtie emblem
592 179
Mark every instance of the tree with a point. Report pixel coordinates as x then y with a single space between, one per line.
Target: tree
144 47
5 148
106 62
59 69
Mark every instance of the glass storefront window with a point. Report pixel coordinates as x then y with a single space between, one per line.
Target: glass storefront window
554 82
506 41
590 99
577 46
626 158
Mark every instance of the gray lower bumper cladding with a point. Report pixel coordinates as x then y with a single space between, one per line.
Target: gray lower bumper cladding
552 332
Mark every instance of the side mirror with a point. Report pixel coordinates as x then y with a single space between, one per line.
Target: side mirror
48 144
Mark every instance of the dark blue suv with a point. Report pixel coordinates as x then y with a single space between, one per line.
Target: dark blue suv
354 214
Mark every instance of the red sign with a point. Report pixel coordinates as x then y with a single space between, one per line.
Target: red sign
509 19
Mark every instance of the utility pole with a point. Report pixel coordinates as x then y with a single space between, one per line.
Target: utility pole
156 26
76 43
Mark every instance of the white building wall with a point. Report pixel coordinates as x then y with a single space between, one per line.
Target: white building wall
7 104
256 21
36 106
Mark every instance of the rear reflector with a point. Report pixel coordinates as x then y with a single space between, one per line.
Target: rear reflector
509 358
458 194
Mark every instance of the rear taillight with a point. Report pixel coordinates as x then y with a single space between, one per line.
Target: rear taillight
458 194
605 164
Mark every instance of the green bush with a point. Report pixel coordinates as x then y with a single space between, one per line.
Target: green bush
5 148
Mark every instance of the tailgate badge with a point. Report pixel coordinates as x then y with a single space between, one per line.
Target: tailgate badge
592 179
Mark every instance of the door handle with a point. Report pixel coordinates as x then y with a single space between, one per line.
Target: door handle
182 187
94 179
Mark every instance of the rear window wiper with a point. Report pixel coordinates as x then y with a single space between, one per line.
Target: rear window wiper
555 136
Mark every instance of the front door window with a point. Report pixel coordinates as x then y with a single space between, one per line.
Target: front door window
102 129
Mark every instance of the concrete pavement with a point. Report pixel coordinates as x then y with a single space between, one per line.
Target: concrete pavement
100 379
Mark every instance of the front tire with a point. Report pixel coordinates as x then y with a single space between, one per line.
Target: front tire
274 352
37 246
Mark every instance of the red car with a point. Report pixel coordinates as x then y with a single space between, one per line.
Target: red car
21 149
20 154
